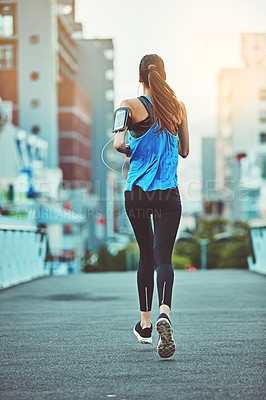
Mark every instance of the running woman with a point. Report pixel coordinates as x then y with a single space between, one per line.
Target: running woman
158 133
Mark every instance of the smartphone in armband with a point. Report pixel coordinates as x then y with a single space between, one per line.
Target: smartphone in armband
120 119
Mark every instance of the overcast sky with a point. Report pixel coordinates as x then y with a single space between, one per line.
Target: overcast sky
195 38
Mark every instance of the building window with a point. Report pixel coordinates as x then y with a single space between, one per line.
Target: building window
109 115
34 76
7 23
262 164
262 94
35 103
207 205
263 116
7 56
109 74
19 149
263 137
34 39
29 152
35 129
109 95
108 54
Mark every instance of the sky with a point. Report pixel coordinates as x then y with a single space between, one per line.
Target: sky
195 38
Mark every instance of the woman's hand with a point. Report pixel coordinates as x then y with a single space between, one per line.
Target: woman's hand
183 142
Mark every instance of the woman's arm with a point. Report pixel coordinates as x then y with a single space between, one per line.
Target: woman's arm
119 142
183 142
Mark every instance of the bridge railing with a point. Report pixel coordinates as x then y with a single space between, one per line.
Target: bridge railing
257 257
22 254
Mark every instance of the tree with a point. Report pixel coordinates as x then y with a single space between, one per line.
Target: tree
231 253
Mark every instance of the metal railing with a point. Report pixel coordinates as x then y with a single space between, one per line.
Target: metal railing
22 254
257 257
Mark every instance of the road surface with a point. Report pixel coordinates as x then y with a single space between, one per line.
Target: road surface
71 337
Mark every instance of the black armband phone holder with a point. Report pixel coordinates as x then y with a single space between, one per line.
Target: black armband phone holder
120 119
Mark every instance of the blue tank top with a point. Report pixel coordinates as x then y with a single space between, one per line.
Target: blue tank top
153 160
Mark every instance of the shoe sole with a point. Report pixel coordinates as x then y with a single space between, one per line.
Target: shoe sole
166 345
142 339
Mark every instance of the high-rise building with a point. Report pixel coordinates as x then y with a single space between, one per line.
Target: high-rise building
253 47
39 70
74 108
241 137
212 200
62 89
28 67
96 76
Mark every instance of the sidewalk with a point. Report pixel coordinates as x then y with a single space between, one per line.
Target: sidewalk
70 337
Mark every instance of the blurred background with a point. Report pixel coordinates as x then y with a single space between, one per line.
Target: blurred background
65 66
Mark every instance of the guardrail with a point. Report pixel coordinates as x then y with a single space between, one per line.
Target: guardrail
257 259
22 254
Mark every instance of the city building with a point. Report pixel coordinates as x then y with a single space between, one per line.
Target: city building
75 144
28 62
240 154
96 76
30 192
62 90
212 200
39 75
39 69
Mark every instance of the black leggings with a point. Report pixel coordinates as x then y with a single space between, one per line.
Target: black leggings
155 247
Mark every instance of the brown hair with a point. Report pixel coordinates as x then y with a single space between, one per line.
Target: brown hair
166 107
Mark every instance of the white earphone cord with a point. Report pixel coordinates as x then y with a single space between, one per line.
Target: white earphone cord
106 163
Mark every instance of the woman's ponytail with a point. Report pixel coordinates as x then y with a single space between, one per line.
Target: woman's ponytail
167 109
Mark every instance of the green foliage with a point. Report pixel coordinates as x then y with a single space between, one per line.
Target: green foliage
220 254
208 228
104 261
179 262
186 253
87 262
213 254
234 254
240 227
119 261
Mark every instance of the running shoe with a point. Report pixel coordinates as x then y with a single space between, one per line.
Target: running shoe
166 345
143 335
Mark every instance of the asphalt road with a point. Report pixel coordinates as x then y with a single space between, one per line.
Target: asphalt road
71 338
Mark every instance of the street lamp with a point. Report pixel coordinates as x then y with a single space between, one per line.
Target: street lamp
203 242
238 157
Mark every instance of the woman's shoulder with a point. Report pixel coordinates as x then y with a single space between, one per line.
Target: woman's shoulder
136 110
129 102
184 111
182 114
182 105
